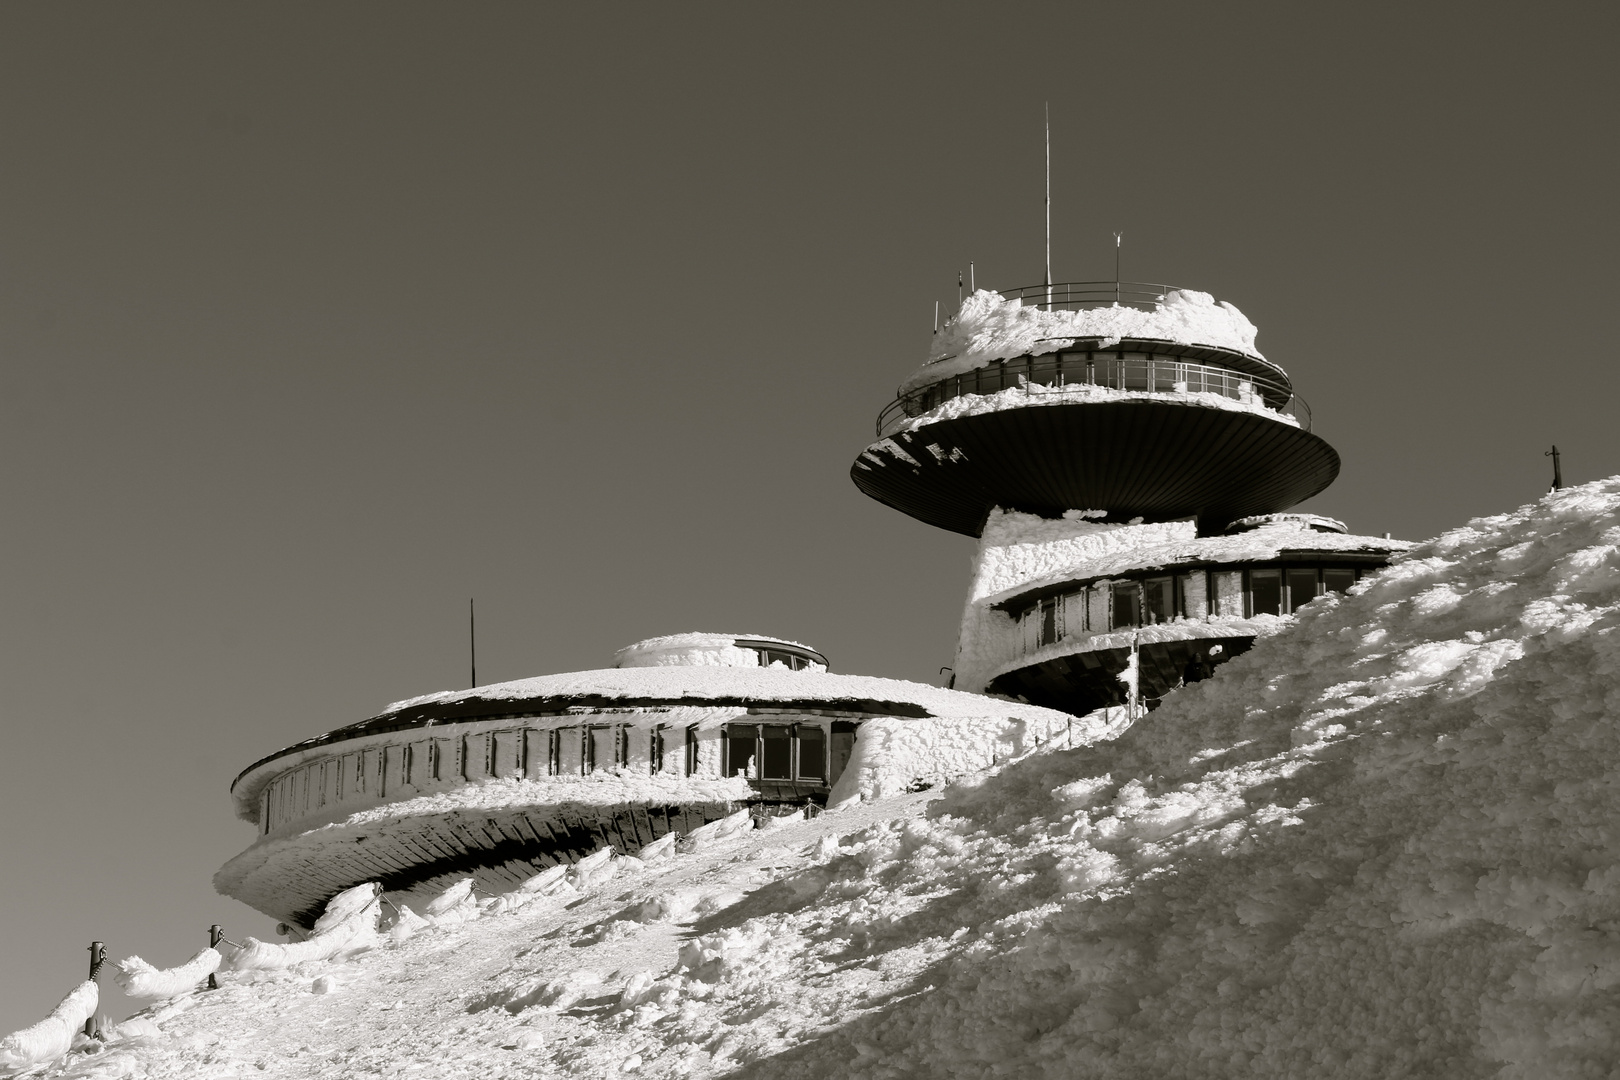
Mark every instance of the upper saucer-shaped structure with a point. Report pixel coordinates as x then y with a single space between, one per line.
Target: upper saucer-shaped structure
499 782
1138 401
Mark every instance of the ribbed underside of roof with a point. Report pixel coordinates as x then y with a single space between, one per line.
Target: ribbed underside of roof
1151 459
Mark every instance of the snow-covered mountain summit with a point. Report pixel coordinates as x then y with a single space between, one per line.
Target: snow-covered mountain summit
1381 843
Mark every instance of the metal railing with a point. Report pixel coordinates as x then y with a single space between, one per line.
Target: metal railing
1086 295
1141 373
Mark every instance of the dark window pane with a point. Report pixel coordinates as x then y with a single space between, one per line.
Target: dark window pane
812 752
842 746
1301 588
1127 602
1265 590
740 747
691 750
1048 621
777 762
1338 581
1161 601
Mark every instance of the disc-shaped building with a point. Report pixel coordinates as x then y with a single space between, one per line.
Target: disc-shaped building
1124 454
501 781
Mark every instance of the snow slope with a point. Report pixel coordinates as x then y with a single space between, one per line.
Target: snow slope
1385 842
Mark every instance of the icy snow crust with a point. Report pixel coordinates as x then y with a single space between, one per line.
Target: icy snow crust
1034 395
1381 843
763 686
695 650
991 328
1258 545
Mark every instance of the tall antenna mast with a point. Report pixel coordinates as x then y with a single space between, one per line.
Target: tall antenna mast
1048 205
1118 240
1558 471
472 639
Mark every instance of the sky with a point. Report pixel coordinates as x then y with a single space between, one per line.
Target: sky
318 320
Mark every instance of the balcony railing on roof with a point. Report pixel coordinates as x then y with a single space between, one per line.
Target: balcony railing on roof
1086 295
1140 373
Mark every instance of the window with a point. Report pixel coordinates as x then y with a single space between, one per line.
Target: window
785 753
1265 592
812 751
1127 605
657 749
776 755
603 747
1301 588
741 743
691 750
1338 581
1159 596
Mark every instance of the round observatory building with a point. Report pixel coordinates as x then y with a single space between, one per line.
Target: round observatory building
1124 453
501 781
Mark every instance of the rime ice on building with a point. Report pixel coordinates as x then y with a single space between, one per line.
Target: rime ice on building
502 781
1123 452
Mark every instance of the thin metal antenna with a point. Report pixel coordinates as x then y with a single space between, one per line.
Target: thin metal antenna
1049 204
972 286
1119 239
936 316
959 290
1558 471
472 638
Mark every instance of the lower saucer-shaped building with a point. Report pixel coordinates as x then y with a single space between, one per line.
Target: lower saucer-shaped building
501 781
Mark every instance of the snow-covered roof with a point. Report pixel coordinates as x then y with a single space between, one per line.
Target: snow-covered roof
990 328
707 650
1263 544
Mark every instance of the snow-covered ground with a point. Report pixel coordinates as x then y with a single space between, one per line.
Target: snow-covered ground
1381 843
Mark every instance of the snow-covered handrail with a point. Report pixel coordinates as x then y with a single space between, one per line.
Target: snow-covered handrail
1087 295
1148 374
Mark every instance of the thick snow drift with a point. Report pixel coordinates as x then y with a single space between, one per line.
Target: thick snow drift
139 979
990 328
52 1036
1381 843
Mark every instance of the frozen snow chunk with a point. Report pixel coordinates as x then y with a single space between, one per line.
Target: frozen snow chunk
457 904
139 979
406 924
528 1039
325 984
594 869
346 905
353 936
710 957
53 1036
659 849
714 832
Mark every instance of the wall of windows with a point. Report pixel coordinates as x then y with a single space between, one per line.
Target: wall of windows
785 756
1122 604
402 769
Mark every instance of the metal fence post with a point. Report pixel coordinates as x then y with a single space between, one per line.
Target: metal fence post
215 934
98 956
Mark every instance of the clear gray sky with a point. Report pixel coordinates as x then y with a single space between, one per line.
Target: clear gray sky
317 319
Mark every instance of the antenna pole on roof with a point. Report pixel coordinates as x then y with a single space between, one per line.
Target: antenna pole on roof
1558 472
959 290
1119 238
1049 205
972 286
472 639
